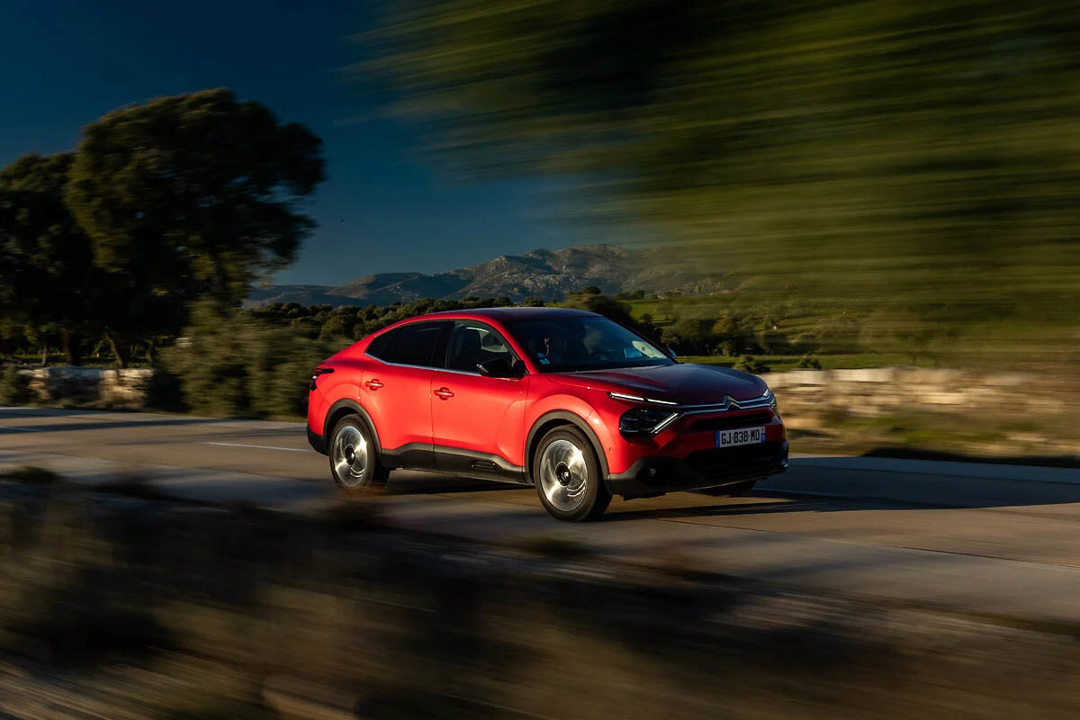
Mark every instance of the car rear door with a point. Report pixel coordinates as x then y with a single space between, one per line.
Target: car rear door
478 422
395 389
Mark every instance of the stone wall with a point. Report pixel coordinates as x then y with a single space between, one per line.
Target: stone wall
90 386
873 392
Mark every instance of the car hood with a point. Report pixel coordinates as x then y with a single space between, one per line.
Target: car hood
681 383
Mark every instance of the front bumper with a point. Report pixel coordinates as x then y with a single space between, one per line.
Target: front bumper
650 476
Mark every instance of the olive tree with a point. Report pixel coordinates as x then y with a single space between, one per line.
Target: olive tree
185 198
47 281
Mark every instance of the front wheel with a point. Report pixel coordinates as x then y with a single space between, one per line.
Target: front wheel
354 463
567 476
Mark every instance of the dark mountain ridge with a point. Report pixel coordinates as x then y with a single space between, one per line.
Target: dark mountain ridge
546 274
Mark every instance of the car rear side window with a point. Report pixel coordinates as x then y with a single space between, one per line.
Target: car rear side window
377 346
418 344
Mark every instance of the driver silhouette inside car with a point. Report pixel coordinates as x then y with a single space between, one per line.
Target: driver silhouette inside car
560 349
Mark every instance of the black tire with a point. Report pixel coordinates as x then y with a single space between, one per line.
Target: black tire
354 476
573 479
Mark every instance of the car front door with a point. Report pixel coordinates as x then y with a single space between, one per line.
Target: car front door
395 389
478 422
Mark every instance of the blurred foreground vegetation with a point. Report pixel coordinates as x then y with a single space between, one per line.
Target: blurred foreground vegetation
120 602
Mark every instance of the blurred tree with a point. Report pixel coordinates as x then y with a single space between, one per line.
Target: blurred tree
610 308
48 285
339 324
752 365
306 327
188 197
732 335
856 152
838 334
233 364
690 336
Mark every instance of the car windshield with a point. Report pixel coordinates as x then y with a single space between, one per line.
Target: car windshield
566 344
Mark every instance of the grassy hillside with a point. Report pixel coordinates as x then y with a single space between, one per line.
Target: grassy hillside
721 328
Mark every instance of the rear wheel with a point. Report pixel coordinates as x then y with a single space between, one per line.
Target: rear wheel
354 462
567 475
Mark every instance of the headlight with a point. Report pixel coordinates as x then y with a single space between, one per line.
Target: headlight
645 421
770 397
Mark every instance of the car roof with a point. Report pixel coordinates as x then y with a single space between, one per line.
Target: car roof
505 314
501 314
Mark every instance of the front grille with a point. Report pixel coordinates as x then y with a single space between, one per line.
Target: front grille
744 461
713 424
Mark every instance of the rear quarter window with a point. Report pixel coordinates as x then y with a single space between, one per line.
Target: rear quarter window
418 344
379 343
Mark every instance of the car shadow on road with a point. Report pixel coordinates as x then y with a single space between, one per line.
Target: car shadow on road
850 490
782 502
904 453
847 484
410 482
751 505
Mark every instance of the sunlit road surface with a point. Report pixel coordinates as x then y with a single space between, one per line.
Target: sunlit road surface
993 540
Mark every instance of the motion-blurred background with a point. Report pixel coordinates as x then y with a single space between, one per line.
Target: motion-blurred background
887 175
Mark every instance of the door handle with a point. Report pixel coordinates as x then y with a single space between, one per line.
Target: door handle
444 393
374 384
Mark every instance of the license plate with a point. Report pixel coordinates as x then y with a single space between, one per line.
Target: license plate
746 436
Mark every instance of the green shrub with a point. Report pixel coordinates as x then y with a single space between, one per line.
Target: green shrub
29 475
237 365
751 365
165 392
14 386
340 324
809 362
306 327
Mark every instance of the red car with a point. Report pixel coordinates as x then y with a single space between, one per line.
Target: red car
569 401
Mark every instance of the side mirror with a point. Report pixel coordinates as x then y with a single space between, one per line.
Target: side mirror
500 367
669 352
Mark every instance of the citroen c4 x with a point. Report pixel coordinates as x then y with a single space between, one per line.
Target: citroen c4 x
571 402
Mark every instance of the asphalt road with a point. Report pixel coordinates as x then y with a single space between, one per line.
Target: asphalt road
989 540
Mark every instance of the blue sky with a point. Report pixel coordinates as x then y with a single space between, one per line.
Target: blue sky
383 208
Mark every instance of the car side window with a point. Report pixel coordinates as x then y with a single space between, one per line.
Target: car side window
417 344
472 343
377 346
